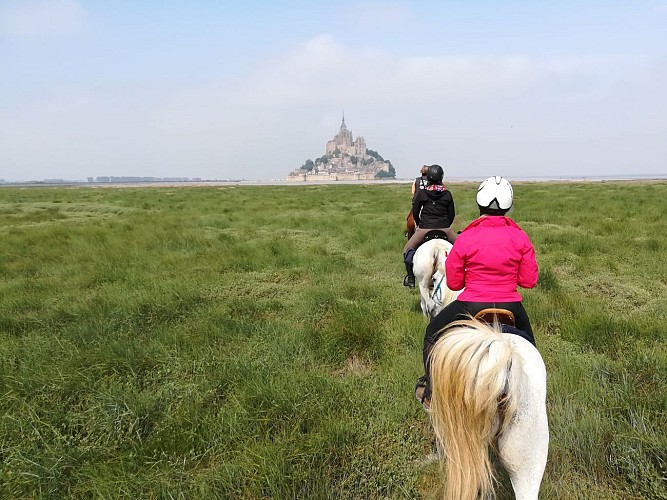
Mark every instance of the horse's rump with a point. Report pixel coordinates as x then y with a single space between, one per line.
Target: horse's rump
429 268
478 382
410 225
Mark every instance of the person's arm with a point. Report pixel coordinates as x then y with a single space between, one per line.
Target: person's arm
417 206
414 187
455 267
528 271
451 210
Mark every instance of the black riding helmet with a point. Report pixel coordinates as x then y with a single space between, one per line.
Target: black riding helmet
435 174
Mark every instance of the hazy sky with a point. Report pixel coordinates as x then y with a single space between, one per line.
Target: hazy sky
251 89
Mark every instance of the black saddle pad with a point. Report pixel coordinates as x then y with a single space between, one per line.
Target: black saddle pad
435 234
520 333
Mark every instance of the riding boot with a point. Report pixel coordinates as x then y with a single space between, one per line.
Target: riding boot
426 358
409 279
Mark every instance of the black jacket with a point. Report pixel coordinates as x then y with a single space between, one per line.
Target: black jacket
433 207
420 183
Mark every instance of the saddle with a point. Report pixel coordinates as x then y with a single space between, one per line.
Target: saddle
505 319
435 234
493 315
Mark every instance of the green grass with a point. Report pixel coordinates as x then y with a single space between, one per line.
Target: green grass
256 342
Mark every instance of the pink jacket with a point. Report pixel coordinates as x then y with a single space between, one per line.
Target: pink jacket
491 257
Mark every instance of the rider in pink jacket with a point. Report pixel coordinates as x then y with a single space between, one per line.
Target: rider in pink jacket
490 259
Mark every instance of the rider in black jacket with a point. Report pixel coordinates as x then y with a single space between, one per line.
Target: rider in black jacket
432 208
420 182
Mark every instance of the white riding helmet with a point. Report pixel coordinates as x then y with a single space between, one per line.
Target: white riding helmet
495 193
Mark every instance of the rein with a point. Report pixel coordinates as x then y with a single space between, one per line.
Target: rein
437 290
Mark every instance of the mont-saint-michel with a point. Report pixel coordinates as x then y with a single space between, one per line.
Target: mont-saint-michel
346 159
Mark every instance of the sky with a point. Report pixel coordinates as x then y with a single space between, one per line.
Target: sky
251 89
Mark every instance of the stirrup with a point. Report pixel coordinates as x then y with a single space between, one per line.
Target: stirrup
420 393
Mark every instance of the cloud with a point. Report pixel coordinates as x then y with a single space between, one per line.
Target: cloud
324 70
514 115
28 18
514 111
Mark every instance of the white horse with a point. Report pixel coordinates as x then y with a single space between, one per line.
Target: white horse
489 390
429 269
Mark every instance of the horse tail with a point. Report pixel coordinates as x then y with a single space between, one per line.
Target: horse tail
439 257
474 397
435 264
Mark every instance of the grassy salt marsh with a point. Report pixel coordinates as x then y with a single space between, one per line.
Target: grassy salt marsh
256 342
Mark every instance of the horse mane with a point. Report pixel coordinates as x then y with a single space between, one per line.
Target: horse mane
474 398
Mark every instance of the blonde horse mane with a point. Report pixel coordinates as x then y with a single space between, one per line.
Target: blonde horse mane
474 398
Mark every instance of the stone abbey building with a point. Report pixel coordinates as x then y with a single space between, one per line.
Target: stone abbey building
346 159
